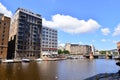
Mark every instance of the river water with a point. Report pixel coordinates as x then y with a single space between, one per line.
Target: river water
75 69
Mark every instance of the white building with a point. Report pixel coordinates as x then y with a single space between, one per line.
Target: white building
49 41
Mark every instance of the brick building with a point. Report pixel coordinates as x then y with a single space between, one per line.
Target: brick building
78 49
4 35
118 47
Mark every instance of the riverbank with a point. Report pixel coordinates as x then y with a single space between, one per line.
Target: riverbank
105 76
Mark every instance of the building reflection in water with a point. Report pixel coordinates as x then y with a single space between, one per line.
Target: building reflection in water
19 71
48 70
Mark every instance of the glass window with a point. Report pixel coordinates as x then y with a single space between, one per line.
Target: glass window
4 23
1 52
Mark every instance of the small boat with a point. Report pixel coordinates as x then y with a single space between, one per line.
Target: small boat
49 58
39 59
8 61
17 60
25 60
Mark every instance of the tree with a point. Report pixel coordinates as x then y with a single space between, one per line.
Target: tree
66 52
60 51
102 52
63 52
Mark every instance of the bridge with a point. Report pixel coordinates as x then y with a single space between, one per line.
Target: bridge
98 56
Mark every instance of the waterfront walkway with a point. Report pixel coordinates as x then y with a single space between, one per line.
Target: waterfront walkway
105 76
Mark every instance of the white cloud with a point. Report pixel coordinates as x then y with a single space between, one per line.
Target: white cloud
5 11
115 41
103 40
70 24
61 44
80 42
105 31
117 31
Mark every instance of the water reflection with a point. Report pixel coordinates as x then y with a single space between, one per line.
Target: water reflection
48 70
56 70
19 71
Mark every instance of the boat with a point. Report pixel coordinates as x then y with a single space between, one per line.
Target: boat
49 58
117 57
8 61
39 59
17 60
62 57
25 60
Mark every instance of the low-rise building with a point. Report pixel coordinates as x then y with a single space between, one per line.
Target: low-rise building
4 35
78 49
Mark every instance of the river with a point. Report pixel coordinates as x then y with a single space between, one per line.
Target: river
75 69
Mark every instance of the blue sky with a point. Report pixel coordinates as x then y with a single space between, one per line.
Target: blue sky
77 21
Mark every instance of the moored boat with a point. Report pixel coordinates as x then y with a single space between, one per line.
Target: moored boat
39 59
49 58
8 61
117 57
17 60
25 60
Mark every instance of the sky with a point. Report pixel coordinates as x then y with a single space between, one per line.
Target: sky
83 22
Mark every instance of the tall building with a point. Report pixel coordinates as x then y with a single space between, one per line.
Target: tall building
25 34
49 41
78 49
4 35
118 47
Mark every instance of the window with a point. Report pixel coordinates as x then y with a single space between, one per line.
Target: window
3 35
4 31
1 52
46 35
4 24
1 48
4 27
20 42
43 31
2 38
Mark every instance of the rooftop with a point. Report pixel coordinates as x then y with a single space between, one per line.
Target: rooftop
28 12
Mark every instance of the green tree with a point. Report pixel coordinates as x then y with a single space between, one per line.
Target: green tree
102 52
63 52
66 52
115 53
60 51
